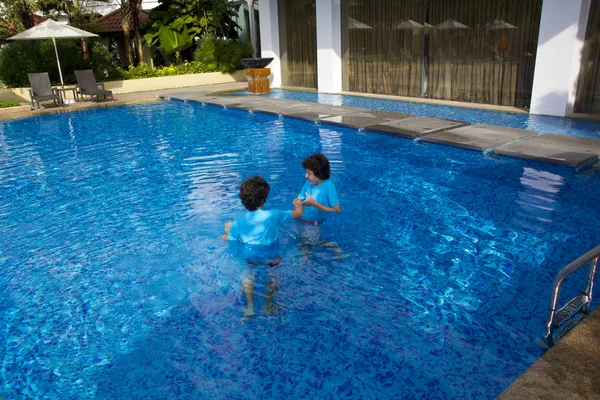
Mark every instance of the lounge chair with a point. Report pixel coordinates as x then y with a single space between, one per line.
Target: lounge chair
42 90
87 85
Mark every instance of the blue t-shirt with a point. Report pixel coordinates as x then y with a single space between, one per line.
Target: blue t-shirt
324 194
258 227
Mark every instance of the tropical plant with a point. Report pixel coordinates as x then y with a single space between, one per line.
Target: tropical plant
9 26
19 10
174 24
225 54
15 16
130 11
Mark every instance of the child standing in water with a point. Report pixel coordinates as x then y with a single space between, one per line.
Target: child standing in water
259 230
318 195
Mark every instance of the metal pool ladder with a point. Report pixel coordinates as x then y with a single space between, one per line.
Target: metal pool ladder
581 302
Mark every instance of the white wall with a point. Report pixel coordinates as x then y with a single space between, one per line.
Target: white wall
558 60
269 38
149 4
102 8
329 46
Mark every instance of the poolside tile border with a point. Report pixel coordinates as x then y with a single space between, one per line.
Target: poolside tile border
467 137
320 113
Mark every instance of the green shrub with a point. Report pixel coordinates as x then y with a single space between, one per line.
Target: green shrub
5 104
144 71
105 67
21 57
225 55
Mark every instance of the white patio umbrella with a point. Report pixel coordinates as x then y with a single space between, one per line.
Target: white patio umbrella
451 24
52 30
355 24
407 24
498 24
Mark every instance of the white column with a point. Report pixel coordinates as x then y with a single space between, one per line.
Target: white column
269 38
329 46
558 59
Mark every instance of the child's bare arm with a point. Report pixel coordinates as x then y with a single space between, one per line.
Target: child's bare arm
298 211
226 233
312 202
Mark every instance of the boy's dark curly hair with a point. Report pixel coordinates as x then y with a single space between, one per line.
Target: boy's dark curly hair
318 164
254 192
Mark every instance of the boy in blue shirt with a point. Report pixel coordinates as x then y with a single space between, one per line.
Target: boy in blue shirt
258 228
318 194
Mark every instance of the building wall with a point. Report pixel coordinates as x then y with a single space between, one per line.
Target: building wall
588 87
269 38
553 80
561 39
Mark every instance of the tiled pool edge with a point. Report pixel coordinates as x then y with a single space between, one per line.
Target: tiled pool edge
567 371
576 154
74 107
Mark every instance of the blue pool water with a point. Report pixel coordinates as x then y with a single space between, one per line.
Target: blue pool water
115 284
539 123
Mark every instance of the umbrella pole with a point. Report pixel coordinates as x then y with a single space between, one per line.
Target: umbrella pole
58 63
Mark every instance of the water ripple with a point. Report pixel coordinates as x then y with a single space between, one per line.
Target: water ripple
115 282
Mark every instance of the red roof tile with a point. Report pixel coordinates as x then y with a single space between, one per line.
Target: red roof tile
111 22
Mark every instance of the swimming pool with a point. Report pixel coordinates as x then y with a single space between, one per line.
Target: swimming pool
116 285
540 123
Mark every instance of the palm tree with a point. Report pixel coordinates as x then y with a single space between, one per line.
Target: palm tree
137 30
21 10
130 10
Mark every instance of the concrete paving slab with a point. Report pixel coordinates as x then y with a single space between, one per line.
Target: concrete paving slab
354 121
480 137
415 127
277 107
338 110
363 119
217 101
191 95
332 110
306 115
393 116
316 112
570 151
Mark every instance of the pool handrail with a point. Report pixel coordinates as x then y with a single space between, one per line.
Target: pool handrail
581 302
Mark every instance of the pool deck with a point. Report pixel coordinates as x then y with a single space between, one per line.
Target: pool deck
568 370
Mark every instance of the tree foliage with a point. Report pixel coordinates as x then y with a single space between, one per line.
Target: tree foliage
15 16
223 54
21 11
20 57
174 24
